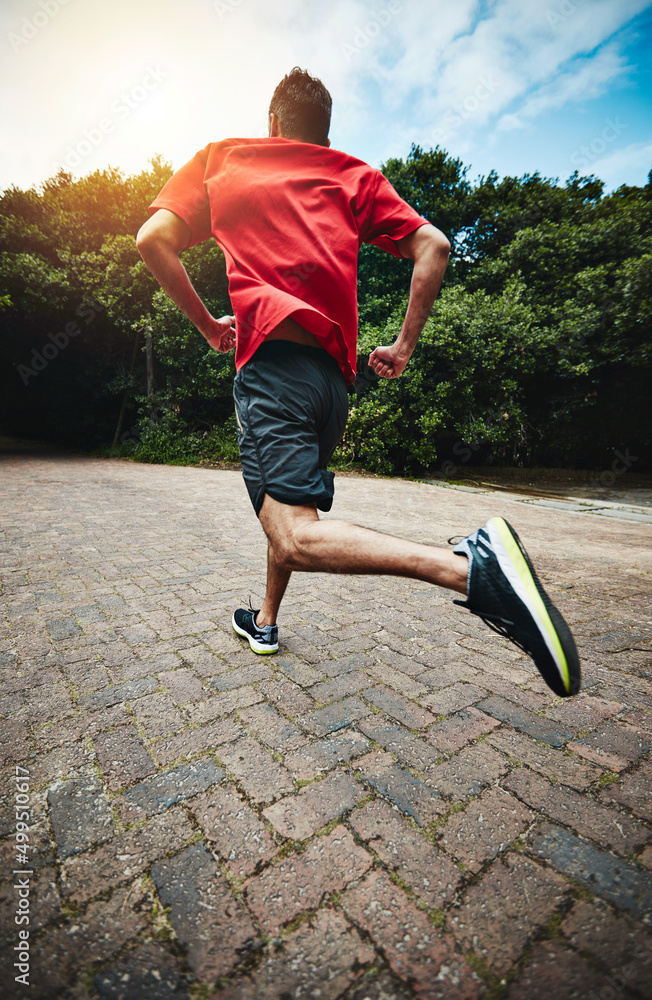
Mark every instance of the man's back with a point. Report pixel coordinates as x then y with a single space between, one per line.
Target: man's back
290 217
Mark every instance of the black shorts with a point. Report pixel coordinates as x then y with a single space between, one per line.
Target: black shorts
291 406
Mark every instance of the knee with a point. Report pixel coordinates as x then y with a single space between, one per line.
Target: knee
287 549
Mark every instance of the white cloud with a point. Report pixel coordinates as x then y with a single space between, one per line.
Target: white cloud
629 165
398 70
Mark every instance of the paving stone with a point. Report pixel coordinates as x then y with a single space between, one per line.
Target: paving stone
501 912
206 663
570 771
417 953
80 815
382 987
193 741
272 728
87 676
241 676
316 962
262 778
339 715
123 757
555 971
625 885
451 670
633 791
340 686
323 755
182 686
63 628
638 719
301 815
50 701
211 925
298 671
167 788
535 726
404 711
159 715
287 697
524 697
223 704
343 664
606 826
63 762
451 699
614 940
485 828
15 740
124 857
412 796
432 876
119 693
584 711
397 680
410 749
468 772
298 882
105 718
613 745
150 971
61 954
459 729
232 826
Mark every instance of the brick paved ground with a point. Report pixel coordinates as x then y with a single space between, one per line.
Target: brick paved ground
395 806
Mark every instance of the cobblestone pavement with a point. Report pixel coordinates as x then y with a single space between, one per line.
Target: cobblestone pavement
394 806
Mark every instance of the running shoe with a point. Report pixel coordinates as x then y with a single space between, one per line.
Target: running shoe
505 592
261 639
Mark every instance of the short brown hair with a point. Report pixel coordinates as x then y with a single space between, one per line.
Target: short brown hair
303 107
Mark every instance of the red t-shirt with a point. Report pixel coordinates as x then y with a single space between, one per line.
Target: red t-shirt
290 217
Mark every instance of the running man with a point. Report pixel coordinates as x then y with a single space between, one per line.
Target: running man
290 214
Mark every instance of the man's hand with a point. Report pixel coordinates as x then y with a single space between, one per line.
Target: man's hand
220 333
387 362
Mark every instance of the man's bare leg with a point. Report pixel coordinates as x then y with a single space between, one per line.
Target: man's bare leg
298 540
277 581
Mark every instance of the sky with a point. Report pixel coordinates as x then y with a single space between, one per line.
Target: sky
515 86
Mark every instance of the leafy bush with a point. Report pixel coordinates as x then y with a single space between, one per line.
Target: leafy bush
170 441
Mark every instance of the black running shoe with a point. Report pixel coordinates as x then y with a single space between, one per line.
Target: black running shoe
262 640
505 592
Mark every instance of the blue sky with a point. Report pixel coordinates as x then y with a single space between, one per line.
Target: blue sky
511 85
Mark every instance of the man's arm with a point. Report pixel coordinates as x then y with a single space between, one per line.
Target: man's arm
159 242
429 249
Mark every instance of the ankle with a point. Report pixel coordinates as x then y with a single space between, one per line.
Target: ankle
461 570
261 620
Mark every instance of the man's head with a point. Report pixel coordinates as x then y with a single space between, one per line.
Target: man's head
300 109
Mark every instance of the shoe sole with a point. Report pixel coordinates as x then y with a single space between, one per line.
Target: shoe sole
256 646
518 569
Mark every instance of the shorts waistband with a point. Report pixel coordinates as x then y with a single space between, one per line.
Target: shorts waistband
280 348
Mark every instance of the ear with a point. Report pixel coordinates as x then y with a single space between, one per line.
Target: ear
274 128
328 142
